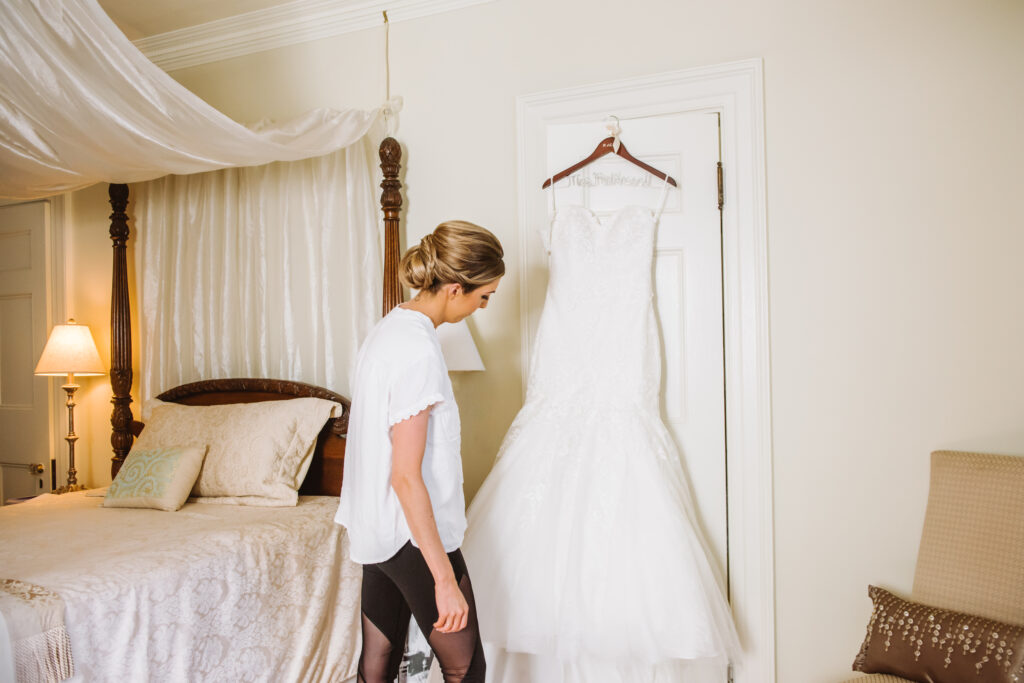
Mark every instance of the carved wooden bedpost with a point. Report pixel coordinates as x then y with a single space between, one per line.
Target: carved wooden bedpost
120 332
391 203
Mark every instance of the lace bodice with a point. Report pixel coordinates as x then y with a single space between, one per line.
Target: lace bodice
597 340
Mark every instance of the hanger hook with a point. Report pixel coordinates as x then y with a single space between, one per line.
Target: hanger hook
615 129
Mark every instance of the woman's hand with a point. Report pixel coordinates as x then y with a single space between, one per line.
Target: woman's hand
452 610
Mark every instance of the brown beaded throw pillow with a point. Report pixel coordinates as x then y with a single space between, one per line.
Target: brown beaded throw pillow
934 645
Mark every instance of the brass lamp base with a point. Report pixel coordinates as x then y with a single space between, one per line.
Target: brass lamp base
71 438
69 488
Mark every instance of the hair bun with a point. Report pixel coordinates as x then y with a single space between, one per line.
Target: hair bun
455 252
428 252
416 269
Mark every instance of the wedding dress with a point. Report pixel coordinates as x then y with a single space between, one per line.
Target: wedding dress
587 563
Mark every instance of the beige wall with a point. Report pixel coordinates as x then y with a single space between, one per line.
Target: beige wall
87 299
893 165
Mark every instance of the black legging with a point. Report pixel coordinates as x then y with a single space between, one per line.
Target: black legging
394 588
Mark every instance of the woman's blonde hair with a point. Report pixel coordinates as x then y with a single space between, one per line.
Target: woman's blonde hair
456 252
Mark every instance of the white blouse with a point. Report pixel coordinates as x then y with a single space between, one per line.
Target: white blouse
400 371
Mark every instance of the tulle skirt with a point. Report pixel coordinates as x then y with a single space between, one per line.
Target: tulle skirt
516 667
586 561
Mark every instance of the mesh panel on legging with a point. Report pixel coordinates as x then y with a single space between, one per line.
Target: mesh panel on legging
380 659
393 588
460 654
385 627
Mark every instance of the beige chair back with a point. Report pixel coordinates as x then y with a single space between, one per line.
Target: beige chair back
971 557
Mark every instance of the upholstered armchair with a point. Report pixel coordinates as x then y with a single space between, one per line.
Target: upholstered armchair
970 569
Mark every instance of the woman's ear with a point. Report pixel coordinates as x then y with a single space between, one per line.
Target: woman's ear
453 290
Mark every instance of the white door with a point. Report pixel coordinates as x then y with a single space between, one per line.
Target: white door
662 119
24 398
687 277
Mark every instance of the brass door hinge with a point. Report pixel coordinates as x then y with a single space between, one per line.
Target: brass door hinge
721 188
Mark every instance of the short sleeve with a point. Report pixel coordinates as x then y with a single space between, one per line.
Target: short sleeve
414 388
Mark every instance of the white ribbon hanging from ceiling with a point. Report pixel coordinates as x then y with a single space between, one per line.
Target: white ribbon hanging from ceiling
80 104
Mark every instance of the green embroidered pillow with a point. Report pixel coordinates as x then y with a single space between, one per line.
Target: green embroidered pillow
159 478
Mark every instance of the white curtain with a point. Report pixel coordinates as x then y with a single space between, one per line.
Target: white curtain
272 271
80 104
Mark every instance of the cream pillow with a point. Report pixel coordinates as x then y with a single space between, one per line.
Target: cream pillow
159 478
258 452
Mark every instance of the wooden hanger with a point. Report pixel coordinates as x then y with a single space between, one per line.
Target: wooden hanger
608 146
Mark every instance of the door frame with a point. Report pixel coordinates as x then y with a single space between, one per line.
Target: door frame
736 90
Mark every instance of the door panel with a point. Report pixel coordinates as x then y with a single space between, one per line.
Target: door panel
24 398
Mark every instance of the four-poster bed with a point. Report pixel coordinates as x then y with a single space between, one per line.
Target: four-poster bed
324 477
222 592
252 581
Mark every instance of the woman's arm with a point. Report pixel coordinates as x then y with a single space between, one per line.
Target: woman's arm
408 442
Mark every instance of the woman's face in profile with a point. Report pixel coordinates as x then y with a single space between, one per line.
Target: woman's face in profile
463 305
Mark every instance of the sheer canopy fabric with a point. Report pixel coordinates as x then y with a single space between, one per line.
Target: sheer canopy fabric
270 271
80 104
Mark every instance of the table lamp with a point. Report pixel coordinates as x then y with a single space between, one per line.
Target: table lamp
70 351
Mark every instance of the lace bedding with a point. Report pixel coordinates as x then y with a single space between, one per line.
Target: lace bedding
211 593
32 621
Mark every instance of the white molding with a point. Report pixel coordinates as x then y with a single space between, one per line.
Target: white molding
57 312
736 90
294 22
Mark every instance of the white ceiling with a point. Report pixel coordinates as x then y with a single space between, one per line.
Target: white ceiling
150 17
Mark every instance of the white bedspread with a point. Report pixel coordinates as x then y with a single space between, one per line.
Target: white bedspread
208 593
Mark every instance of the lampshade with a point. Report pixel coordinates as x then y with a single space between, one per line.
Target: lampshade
457 345
70 349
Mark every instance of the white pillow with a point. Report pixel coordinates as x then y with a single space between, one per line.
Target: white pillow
258 452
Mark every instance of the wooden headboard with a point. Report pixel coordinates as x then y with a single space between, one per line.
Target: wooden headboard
324 476
325 472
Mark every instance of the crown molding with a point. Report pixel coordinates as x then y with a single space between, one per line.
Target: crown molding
295 22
